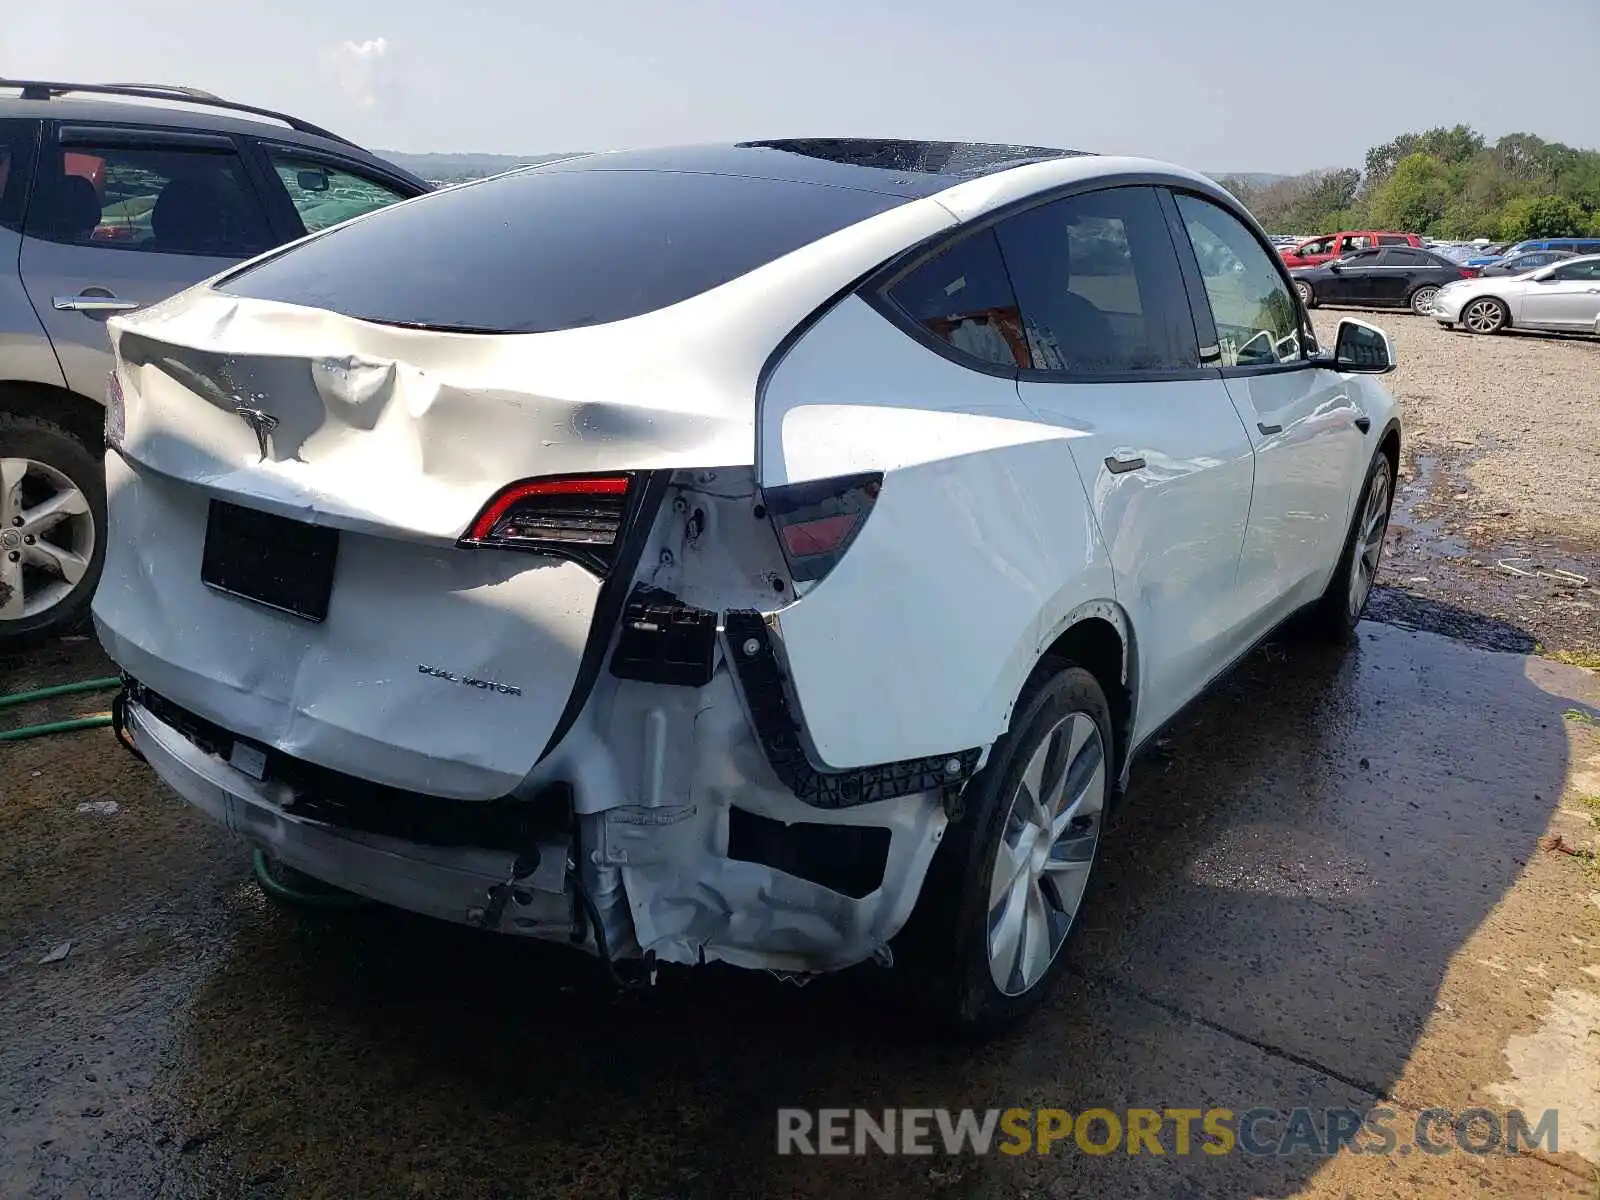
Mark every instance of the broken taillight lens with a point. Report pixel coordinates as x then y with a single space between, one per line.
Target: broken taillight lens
576 516
817 521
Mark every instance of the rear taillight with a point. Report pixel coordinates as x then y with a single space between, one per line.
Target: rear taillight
817 521
1469 272
577 516
116 412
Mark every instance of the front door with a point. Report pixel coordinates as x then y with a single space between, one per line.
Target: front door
1161 453
124 217
1567 298
1300 418
1353 283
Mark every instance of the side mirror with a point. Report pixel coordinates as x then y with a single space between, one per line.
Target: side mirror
1362 348
312 181
1335 267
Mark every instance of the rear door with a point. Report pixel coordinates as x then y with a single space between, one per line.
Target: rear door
1567 298
1163 457
1299 417
122 217
1395 273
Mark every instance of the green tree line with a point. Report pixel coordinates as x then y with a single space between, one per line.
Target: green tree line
1447 183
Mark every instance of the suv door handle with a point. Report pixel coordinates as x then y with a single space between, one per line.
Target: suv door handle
92 304
1118 466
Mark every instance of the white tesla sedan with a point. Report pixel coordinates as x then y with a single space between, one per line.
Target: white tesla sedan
1562 297
720 553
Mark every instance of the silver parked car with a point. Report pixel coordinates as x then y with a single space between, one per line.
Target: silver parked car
107 206
1562 297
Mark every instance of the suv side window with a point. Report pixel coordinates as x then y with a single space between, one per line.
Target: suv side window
1393 239
1258 322
165 199
1099 285
1321 246
17 142
323 194
1357 241
963 297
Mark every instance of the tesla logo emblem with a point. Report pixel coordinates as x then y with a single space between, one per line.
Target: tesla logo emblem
263 423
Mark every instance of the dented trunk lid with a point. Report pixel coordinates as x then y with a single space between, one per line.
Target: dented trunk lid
436 668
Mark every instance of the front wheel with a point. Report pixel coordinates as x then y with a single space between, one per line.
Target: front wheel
52 517
1007 885
1334 616
1485 315
1422 300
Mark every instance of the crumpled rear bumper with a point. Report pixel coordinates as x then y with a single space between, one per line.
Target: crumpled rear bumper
659 881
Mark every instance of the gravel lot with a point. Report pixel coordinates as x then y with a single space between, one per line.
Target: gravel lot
1496 533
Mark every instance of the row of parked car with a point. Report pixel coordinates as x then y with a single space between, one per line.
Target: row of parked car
1550 284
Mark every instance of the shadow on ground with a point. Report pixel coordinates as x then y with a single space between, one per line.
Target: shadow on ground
1288 882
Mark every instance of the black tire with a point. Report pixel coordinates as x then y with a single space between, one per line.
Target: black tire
49 444
1501 318
948 948
1308 294
1423 295
1334 615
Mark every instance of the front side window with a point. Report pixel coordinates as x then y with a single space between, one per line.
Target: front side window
17 140
1576 271
963 297
1099 285
174 201
1257 320
324 195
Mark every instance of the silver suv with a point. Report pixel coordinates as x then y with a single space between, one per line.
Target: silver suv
109 202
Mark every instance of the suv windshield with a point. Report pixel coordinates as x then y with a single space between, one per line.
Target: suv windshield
552 248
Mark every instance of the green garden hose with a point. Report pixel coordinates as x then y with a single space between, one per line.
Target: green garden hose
97 721
278 890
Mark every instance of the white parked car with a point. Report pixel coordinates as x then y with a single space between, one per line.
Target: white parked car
718 553
1563 297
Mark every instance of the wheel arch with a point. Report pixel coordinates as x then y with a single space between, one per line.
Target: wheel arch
1098 636
80 416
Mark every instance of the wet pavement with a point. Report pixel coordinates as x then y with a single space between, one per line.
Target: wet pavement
1335 884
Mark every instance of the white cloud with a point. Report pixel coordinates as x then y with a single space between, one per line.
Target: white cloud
359 68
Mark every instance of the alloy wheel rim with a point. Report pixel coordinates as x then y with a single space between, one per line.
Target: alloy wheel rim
1422 302
1046 851
1369 541
47 538
1305 293
1483 316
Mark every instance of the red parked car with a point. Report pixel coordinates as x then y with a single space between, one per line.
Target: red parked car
1329 246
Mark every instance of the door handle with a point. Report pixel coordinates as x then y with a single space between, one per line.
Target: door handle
1364 423
92 304
1268 429
1118 466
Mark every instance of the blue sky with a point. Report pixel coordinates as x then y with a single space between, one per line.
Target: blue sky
1218 85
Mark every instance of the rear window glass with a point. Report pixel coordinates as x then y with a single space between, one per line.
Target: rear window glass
548 249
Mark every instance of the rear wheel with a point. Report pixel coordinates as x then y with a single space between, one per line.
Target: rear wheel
1485 315
1308 297
1334 616
1422 299
1007 885
52 517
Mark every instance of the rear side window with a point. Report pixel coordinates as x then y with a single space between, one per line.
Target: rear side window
1404 258
17 142
547 249
324 195
173 201
963 297
1357 241
1393 239
1257 320
1099 285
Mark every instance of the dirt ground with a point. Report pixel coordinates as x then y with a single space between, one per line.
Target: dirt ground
1361 879
1498 513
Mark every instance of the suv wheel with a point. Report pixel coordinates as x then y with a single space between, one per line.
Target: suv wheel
1005 889
52 517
